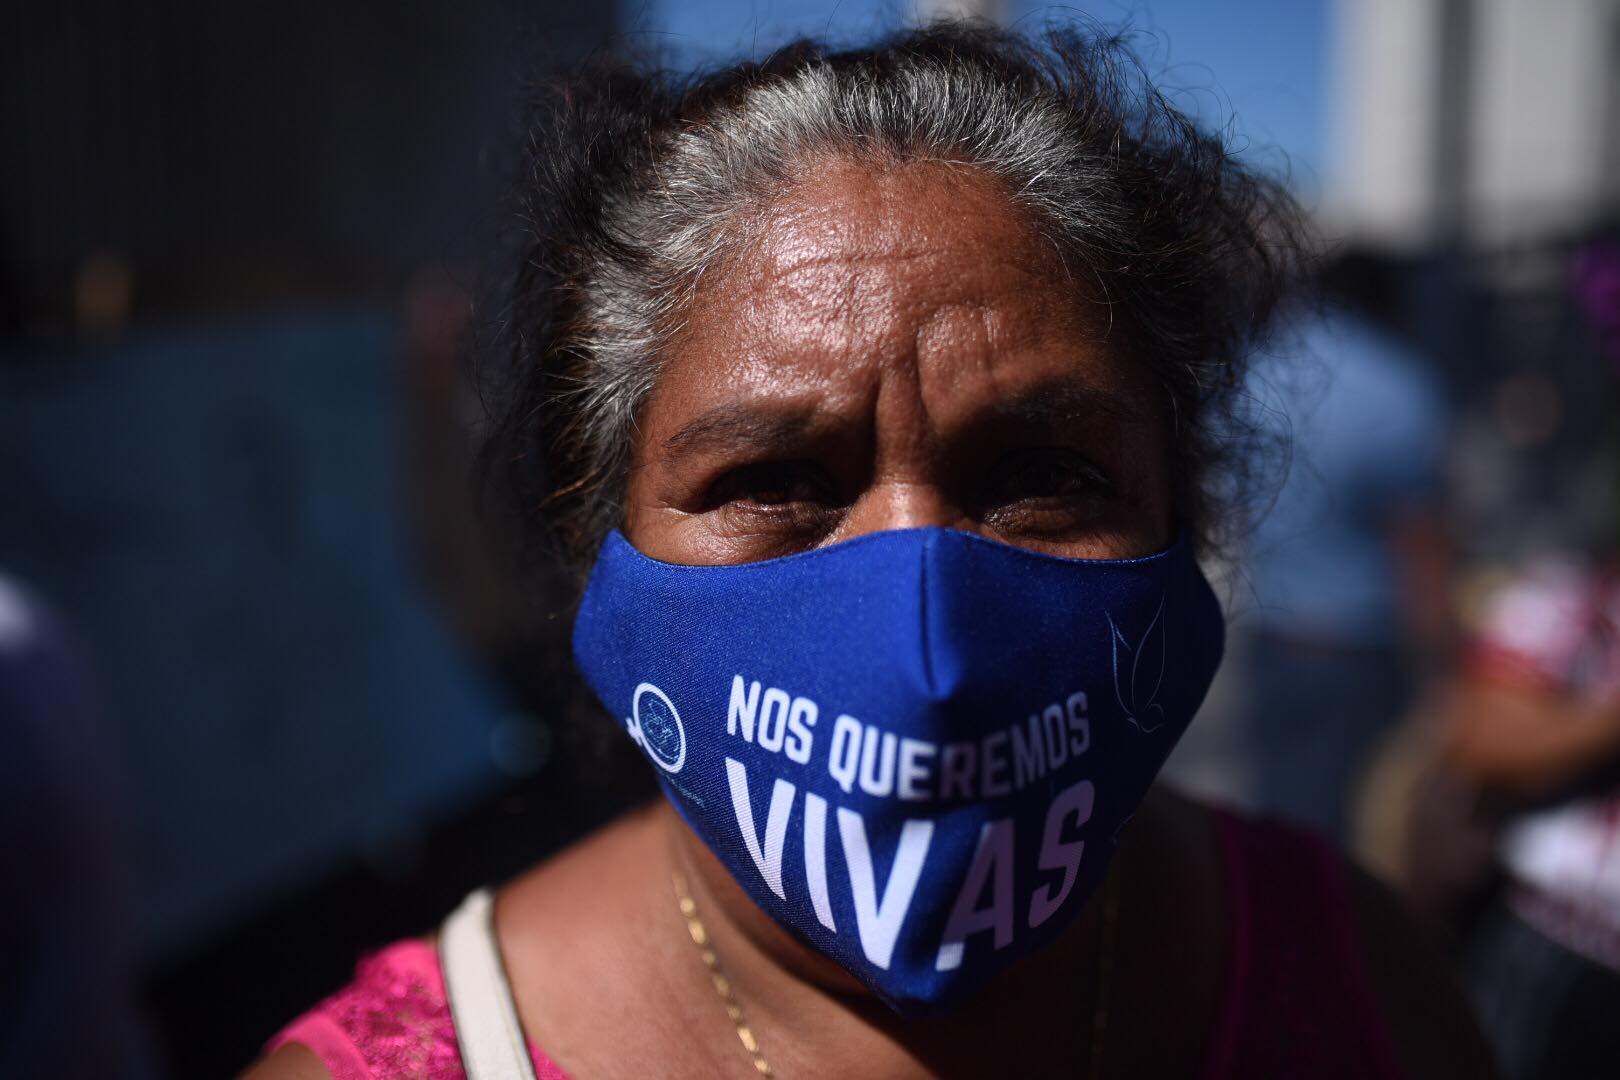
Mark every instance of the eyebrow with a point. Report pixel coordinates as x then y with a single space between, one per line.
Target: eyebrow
1049 404
735 425
1059 401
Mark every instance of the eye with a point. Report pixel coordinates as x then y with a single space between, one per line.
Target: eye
1049 493
773 484
1045 474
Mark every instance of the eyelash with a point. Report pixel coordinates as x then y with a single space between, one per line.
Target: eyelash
801 492
1056 469
773 487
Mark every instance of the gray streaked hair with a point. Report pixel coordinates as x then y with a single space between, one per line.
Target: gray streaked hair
636 186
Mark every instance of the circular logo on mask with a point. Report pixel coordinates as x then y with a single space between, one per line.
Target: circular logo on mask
659 726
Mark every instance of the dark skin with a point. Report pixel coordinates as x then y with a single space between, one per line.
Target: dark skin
899 348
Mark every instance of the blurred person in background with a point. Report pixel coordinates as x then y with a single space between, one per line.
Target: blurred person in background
1532 722
67 1001
1347 569
879 396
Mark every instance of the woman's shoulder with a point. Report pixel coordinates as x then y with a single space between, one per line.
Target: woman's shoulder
392 1019
293 1061
1319 945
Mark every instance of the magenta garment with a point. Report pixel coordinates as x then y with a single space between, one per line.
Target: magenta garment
1297 1001
391 1023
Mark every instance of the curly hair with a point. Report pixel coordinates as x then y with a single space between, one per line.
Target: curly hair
634 183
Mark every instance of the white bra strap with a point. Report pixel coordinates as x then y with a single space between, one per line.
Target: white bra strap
487 1028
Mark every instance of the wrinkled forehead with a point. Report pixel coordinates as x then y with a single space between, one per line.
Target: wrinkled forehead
860 267
892 205
956 220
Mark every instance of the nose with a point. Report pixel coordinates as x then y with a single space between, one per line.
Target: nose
903 504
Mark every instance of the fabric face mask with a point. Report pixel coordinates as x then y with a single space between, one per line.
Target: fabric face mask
914 750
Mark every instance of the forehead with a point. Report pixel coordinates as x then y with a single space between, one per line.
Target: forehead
919 210
863 271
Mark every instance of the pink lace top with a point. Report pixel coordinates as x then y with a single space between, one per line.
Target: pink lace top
1297 1001
392 1022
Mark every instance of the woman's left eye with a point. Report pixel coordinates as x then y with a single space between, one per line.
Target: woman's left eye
1036 475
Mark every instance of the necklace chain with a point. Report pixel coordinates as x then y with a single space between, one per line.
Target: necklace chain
717 975
745 1034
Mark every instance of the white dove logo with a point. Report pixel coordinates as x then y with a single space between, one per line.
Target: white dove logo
1137 689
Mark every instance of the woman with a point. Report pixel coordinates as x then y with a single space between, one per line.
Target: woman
883 396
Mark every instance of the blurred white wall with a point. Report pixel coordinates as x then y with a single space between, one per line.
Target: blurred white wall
927 11
1383 118
1494 120
1542 126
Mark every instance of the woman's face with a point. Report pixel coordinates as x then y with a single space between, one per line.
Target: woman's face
899 348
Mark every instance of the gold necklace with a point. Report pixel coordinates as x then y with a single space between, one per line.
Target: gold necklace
717 975
728 993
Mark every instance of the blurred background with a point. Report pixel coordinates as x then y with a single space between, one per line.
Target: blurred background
271 695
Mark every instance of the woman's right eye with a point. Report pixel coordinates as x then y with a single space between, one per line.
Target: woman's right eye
773 484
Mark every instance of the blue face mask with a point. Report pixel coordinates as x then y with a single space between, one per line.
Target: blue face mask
914 750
